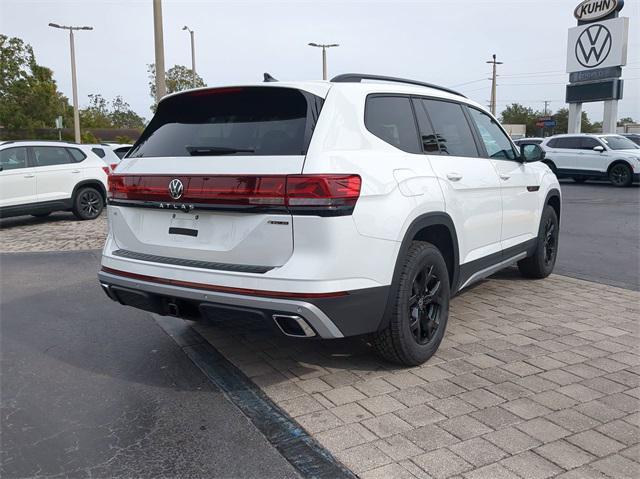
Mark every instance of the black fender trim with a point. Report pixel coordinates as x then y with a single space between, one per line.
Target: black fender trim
554 192
94 183
421 222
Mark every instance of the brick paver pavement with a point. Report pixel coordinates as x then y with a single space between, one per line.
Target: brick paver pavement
60 231
534 379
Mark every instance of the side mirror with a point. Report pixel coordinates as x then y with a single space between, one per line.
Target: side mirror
530 152
598 148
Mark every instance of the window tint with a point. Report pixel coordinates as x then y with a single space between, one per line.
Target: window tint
99 151
390 118
619 143
570 142
51 155
452 129
13 158
587 143
495 140
427 135
78 155
120 152
254 121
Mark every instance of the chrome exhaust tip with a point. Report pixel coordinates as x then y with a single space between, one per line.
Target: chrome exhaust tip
293 326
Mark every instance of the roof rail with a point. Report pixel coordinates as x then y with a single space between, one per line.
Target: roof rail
5 142
358 77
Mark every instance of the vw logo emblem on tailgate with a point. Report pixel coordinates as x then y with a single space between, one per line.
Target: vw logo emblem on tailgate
176 188
593 46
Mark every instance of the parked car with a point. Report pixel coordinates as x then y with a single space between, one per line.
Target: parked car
534 140
39 177
635 137
586 156
333 209
107 154
120 149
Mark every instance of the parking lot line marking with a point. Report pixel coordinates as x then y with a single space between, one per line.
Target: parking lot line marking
303 452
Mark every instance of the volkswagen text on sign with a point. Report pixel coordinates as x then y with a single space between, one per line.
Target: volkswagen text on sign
591 10
598 45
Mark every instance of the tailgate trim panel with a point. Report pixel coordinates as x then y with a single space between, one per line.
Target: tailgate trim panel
191 263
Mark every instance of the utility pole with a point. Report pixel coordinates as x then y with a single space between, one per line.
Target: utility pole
546 103
161 86
74 81
193 56
493 83
324 55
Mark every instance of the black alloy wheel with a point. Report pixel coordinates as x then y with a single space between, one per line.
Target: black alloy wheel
620 175
88 204
424 305
550 241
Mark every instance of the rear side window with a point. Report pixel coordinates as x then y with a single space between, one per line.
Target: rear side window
390 118
570 142
99 151
13 158
427 133
254 121
78 156
452 128
51 156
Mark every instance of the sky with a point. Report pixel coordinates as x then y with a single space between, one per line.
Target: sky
444 42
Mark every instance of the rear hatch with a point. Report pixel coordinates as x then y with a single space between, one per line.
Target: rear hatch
206 181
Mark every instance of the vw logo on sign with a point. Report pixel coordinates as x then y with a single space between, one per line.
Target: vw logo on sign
176 188
593 46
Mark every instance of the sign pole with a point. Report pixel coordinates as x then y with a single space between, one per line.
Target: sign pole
610 120
575 118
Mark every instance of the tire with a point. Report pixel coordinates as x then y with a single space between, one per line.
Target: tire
420 310
541 264
88 203
579 179
621 175
41 215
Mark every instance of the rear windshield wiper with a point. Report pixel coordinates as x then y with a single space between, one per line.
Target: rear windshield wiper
215 150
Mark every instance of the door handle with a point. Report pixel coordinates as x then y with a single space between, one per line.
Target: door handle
75 171
29 176
453 176
504 177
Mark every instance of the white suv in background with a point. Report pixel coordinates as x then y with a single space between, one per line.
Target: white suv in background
39 177
586 156
332 209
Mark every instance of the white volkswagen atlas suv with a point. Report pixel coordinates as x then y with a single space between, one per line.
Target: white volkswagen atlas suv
39 177
344 208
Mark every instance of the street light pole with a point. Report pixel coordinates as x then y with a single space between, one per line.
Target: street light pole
493 83
74 81
193 56
324 55
161 86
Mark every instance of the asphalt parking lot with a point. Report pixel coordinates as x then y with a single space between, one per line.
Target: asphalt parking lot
534 378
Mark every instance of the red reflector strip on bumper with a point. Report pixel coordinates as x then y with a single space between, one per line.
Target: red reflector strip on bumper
223 289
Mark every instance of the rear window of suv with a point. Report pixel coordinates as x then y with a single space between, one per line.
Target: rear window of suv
251 121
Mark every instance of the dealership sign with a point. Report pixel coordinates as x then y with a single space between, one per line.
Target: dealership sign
598 45
591 10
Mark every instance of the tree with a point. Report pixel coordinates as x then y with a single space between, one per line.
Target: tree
29 96
562 122
177 78
102 114
626 120
517 114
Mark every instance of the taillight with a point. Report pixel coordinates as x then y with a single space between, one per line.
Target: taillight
106 170
326 195
113 166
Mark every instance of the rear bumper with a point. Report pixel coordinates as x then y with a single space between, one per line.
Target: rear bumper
354 313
